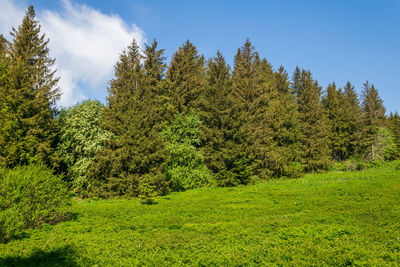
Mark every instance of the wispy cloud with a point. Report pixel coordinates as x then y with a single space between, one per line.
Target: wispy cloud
11 14
86 44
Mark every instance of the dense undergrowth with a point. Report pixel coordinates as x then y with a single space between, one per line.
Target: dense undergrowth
337 218
29 197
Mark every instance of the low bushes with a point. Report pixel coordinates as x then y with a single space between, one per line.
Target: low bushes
30 196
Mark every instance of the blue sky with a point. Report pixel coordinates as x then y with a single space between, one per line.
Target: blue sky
337 40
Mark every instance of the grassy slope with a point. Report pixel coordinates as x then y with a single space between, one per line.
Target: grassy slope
325 219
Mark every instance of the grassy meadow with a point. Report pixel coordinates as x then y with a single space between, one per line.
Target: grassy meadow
336 218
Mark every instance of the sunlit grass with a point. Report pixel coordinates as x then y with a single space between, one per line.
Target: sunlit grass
323 219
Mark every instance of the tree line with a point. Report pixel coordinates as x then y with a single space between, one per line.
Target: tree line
190 123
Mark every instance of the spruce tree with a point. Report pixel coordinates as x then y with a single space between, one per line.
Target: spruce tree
111 173
28 132
352 121
394 126
261 119
334 109
373 118
285 128
185 77
213 109
150 111
246 80
133 162
314 125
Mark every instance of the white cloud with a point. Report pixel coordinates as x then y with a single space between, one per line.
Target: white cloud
11 15
86 44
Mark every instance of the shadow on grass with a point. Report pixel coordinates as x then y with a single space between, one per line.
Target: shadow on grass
63 256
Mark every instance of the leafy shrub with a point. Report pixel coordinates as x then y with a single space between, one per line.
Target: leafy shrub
10 224
293 170
30 196
353 164
81 137
361 166
185 167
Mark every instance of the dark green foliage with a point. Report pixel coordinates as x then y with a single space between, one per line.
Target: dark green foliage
267 111
135 114
373 117
185 77
315 154
81 137
285 131
343 111
352 126
335 113
213 110
394 126
27 96
246 81
185 167
29 197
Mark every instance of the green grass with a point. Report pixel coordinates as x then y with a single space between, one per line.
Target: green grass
348 218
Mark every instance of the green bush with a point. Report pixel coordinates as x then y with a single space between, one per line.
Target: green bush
81 136
30 196
10 225
185 167
293 170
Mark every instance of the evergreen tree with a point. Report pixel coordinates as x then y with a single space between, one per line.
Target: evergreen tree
133 162
314 125
352 121
335 113
111 172
373 117
285 129
213 108
394 126
185 77
28 132
246 81
261 119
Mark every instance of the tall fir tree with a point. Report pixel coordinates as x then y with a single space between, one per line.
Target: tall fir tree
334 109
285 128
29 129
373 118
394 126
246 80
111 172
185 77
314 127
261 119
133 162
213 109
150 111
352 121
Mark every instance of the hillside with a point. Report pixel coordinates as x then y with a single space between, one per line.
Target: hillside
348 218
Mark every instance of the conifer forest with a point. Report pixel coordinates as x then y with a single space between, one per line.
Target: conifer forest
197 125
